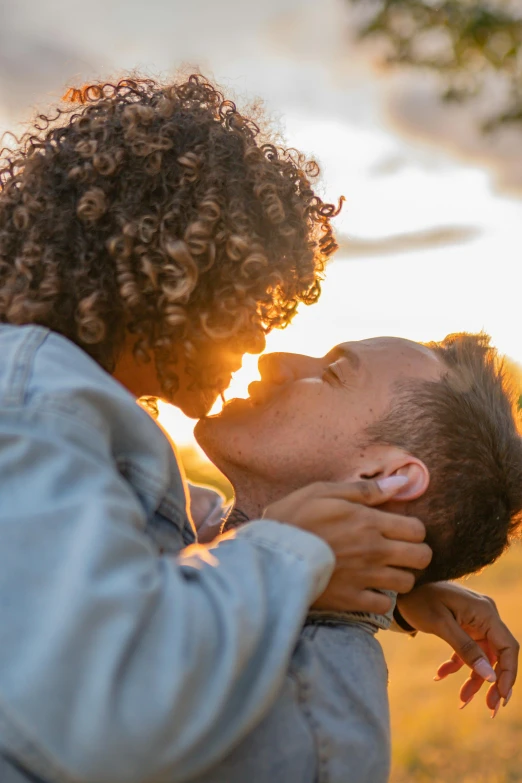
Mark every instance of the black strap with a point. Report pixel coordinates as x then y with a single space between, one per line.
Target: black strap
401 622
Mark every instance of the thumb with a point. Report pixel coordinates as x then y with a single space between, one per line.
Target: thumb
368 492
467 649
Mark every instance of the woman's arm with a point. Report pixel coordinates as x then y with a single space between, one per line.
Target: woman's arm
116 663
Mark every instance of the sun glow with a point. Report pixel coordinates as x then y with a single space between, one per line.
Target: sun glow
422 292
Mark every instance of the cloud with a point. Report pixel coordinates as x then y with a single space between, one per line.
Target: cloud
30 68
415 109
349 85
442 236
46 45
299 55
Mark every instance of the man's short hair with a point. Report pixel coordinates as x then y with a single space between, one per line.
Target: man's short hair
464 428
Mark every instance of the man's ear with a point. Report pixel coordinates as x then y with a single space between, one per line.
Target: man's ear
418 479
383 461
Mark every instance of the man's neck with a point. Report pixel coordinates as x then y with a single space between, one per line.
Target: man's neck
246 507
250 503
236 518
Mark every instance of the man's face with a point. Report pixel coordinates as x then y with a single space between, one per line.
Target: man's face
303 420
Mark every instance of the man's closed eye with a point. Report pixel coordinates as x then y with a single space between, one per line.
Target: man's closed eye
331 376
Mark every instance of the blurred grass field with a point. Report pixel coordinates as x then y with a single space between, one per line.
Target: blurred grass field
434 741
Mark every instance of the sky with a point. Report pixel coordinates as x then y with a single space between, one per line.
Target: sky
429 231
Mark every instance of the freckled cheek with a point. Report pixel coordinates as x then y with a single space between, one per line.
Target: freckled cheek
235 443
294 420
297 409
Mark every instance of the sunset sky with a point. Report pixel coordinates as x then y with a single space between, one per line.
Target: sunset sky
429 239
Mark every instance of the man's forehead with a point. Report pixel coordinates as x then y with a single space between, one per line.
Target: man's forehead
390 346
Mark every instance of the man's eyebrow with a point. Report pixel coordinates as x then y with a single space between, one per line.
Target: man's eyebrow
342 352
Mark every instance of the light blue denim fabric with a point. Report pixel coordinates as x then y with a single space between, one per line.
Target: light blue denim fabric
124 659
330 723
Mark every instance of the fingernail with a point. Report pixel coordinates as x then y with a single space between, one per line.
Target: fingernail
465 703
510 694
392 482
484 670
437 678
494 712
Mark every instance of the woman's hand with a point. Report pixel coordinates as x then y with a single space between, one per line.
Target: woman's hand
471 625
373 548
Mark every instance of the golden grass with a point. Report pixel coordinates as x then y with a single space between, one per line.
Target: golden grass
201 471
434 741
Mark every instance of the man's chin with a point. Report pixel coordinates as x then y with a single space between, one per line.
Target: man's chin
209 438
227 414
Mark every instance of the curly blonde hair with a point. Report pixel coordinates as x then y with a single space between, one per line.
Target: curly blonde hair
163 212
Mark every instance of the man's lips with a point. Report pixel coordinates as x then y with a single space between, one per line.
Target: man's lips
261 395
259 392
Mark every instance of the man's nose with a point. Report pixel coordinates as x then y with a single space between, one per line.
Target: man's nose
282 368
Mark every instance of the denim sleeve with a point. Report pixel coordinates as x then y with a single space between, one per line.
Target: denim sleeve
116 663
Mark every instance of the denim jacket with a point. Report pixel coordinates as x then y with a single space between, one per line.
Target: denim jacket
125 657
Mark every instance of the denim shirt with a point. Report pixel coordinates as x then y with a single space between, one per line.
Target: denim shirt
330 723
126 655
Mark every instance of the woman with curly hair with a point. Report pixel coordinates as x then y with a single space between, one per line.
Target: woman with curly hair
150 235
158 222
